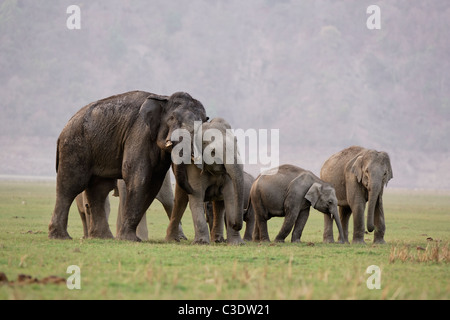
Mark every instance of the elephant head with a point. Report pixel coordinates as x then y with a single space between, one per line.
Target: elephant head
373 171
323 198
164 115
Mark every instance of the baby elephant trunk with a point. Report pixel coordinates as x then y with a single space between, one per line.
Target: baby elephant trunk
337 220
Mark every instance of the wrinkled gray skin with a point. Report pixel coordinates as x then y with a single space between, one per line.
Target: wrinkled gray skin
165 196
289 191
127 136
249 217
359 176
223 184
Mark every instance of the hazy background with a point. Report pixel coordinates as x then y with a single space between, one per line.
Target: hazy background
309 68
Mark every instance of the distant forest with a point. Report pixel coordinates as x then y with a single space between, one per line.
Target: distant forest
309 68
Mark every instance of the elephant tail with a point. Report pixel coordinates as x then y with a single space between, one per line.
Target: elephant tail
248 210
57 155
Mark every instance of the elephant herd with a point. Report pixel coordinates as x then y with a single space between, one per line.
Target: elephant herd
128 142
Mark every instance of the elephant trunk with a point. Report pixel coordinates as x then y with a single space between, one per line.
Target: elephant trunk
337 220
235 171
374 193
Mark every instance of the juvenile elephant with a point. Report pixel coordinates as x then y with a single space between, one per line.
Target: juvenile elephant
218 177
359 176
289 191
249 217
126 136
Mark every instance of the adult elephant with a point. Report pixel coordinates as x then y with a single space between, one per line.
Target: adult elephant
218 177
289 191
359 176
249 217
126 136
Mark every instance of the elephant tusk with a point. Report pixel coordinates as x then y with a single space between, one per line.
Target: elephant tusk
168 143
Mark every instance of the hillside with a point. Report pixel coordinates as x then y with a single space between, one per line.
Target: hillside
311 69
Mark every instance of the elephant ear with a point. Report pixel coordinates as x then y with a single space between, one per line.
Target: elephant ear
357 169
389 174
313 193
151 111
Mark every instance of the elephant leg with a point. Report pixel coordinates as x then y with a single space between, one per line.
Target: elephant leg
140 194
233 219
300 225
288 223
218 221
249 219
328 236
97 197
142 230
380 226
165 196
69 183
83 214
344 214
122 193
358 223
209 214
198 217
179 206
260 233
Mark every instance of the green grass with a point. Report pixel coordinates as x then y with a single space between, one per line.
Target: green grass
112 269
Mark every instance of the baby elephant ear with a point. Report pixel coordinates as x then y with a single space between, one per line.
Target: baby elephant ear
313 193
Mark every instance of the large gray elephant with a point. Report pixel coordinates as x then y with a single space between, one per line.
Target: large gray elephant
289 191
249 217
359 176
127 136
219 178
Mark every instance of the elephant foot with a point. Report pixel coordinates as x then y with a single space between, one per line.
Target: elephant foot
200 241
379 241
129 236
328 240
236 241
101 235
219 239
181 235
172 238
280 240
55 233
358 241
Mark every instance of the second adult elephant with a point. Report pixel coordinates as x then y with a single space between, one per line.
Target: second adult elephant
218 177
289 191
359 176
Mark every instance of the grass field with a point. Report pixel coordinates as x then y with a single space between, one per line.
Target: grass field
413 263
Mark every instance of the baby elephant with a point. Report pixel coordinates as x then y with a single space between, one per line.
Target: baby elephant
289 191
